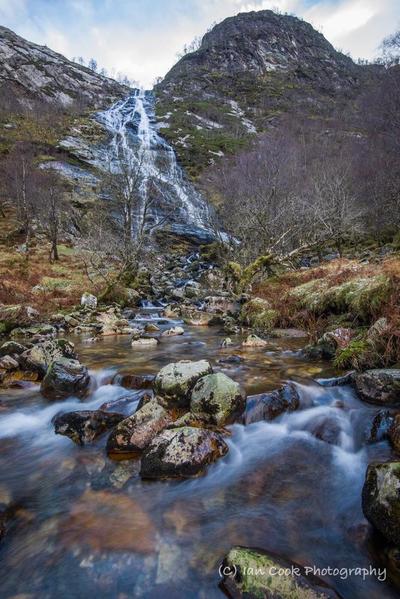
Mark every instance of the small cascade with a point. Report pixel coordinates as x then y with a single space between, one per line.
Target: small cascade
168 199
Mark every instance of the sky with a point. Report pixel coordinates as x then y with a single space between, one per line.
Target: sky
141 38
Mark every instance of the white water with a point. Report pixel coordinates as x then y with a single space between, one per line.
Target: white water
169 197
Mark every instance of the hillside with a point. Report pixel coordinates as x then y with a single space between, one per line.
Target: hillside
249 70
29 72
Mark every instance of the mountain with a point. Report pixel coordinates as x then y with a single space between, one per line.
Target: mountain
248 70
29 72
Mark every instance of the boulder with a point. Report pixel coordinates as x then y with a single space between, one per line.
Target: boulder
150 327
39 357
135 433
11 348
380 386
381 499
195 317
217 399
175 381
216 304
45 330
8 363
380 426
85 426
254 341
181 452
89 301
145 342
173 332
65 377
267 406
254 574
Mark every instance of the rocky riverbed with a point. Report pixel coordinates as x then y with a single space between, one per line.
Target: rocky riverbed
134 469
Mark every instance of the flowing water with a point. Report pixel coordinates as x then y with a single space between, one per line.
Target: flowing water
86 526
167 196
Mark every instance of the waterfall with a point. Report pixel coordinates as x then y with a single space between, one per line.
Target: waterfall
171 201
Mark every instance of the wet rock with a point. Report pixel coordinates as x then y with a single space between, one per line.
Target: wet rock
217 399
65 377
254 341
234 359
337 381
134 381
394 431
89 301
175 381
380 426
254 574
11 348
381 499
39 357
151 328
8 363
326 429
145 342
173 332
134 433
181 452
267 406
379 386
45 330
85 426
226 342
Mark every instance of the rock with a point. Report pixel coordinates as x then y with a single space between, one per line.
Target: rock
259 315
151 328
135 433
108 522
46 330
234 359
394 431
39 357
181 452
217 399
221 305
85 426
379 386
89 301
226 342
326 429
134 381
11 348
254 341
254 574
337 381
381 499
65 377
267 406
196 318
289 334
8 363
174 331
380 426
145 342
175 381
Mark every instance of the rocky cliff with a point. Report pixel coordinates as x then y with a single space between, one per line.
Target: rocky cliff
31 72
248 70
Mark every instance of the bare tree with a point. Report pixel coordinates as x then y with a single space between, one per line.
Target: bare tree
53 210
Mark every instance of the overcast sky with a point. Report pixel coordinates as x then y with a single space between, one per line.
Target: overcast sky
141 38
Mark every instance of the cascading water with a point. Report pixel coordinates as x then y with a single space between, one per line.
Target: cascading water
167 197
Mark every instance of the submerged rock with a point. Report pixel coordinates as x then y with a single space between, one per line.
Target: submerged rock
172 332
135 433
134 381
381 499
267 406
254 574
379 386
175 381
181 452
85 426
145 342
64 378
217 399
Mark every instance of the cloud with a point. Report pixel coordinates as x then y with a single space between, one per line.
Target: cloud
141 38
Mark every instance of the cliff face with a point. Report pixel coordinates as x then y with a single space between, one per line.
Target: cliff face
248 70
31 72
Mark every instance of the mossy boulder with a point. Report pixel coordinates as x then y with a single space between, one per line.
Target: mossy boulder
254 574
65 377
379 386
217 399
182 452
258 314
39 357
381 499
175 381
134 433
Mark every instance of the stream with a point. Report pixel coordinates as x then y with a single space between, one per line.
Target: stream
88 526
